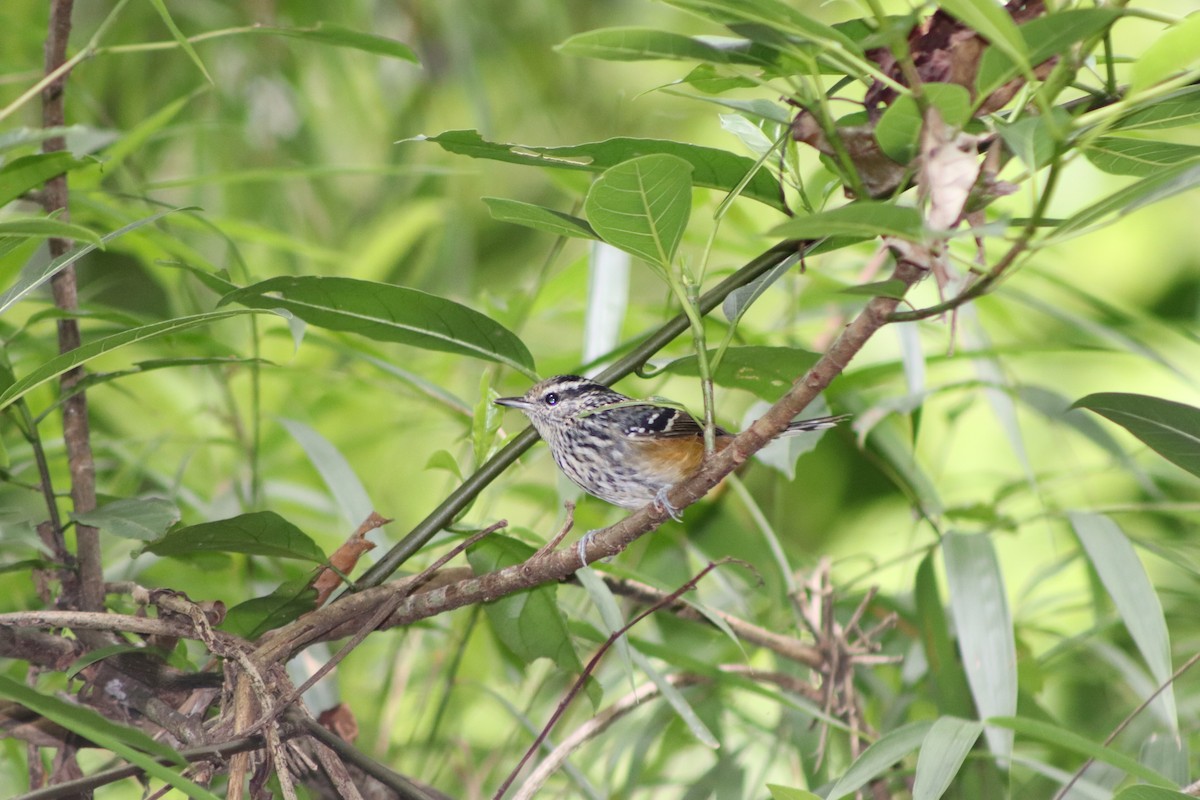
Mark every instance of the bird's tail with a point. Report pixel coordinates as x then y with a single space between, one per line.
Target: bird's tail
815 424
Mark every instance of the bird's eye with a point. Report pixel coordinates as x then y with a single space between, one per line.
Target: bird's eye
551 398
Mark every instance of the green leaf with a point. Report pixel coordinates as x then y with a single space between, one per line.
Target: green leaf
639 44
1032 138
1141 157
529 623
879 758
1168 428
991 21
539 218
1143 792
777 16
180 39
1171 52
338 36
942 755
1058 736
81 355
29 172
898 131
260 533
45 227
642 206
1172 111
949 681
255 617
787 793
711 168
129 743
766 372
1167 183
979 606
1045 37
863 218
101 653
1124 578
133 518
389 313
30 280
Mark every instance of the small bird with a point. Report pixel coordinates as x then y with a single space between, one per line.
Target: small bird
626 452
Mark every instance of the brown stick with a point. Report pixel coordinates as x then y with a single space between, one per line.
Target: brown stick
75 414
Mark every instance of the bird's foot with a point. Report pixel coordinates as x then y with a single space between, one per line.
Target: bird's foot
660 500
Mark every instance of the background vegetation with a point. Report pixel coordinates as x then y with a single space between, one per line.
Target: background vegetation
967 549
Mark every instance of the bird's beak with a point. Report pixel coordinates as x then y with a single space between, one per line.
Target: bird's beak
514 402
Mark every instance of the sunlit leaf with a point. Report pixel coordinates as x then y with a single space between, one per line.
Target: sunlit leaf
979 605
642 206
942 755
539 218
711 168
45 227
949 680
1165 184
1172 111
389 313
259 533
133 518
639 44
787 793
992 22
1168 428
1171 52
1045 37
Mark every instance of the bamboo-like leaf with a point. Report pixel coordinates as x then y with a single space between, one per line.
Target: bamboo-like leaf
347 490
639 44
1058 736
642 206
389 313
97 347
1164 184
879 758
129 743
984 626
46 227
28 172
1170 429
1176 49
180 39
338 36
942 755
1126 581
28 281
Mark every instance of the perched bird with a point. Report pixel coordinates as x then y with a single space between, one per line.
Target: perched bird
626 452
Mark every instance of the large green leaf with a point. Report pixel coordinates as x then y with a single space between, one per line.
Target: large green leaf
1173 51
1140 157
1170 429
1127 583
979 605
711 168
879 758
1172 111
642 206
766 372
129 743
899 128
863 218
777 16
942 755
260 533
389 313
59 364
529 623
1058 736
992 22
256 616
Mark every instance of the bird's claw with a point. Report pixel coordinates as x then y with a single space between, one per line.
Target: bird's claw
660 500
